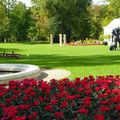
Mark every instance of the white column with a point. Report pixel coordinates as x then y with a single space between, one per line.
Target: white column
64 39
51 39
60 39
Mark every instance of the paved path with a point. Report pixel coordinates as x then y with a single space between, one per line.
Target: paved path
57 74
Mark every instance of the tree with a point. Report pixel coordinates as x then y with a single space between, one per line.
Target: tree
96 13
114 8
4 22
38 22
19 22
67 17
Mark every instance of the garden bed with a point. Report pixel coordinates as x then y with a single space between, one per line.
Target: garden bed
82 99
82 44
85 43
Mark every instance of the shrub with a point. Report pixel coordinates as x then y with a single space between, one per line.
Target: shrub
82 99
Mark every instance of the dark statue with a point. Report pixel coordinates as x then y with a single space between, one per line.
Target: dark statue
115 38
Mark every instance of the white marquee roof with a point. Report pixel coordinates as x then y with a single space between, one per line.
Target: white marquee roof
114 24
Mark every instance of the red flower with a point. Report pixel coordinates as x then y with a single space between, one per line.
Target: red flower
28 91
36 102
105 102
58 115
88 92
99 117
21 107
117 83
104 109
26 98
33 94
71 97
20 118
48 108
34 114
16 91
53 102
97 88
2 105
41 99
84 111
64 104
117 107
80 89
108 91
8 100
87 101
115 99
102 95
10 112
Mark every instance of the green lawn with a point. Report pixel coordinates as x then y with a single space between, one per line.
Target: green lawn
81 61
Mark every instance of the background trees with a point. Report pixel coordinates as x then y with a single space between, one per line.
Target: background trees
4 22
78 19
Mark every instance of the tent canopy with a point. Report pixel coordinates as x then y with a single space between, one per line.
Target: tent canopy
114 24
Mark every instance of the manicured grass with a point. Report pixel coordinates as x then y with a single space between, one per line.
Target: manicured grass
80 60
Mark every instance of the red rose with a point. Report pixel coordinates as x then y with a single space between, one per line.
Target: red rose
80 89
2 106
58 115
28 91
104 102
102 95
117 84
64 104
20 118
108 91
41 99
117 107
97 88
115 99
11 114
99 117
8 100
34 114
26 98
48 108
84 111
33 94
36 102
87 101
71 97
1 94
21 107
16 91
53 102
104 108
88 92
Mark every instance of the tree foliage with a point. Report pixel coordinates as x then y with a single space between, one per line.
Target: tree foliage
78 19
4 22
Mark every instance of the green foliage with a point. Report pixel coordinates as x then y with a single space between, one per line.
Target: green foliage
70 17
19 21
4 22
114 8
78 19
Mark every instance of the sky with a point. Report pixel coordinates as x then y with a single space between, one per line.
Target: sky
28 2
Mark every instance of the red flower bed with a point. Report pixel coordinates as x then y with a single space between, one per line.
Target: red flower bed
82 99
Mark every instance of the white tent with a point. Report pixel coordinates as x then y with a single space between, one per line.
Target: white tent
109 28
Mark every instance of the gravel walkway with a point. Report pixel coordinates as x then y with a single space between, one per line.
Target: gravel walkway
57 74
